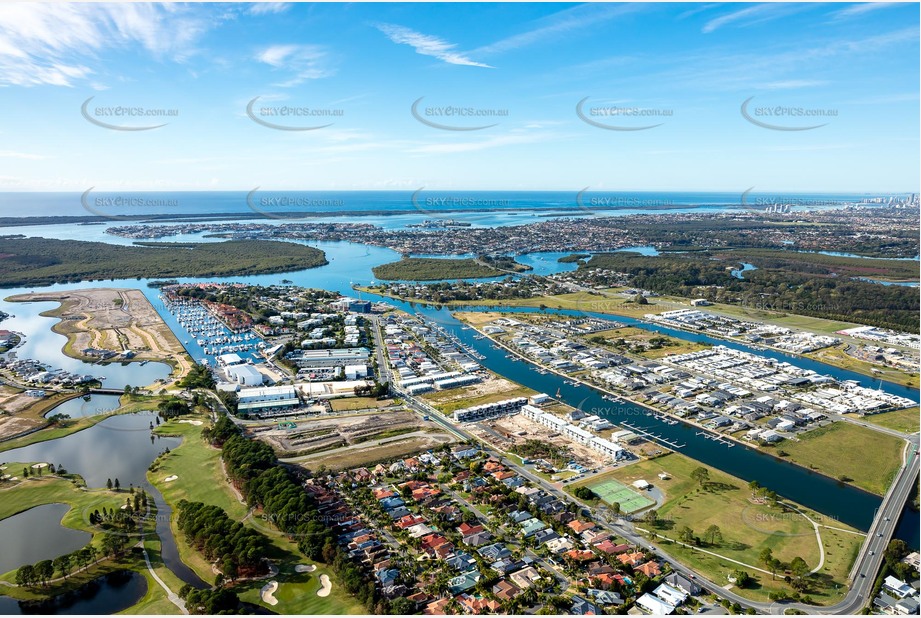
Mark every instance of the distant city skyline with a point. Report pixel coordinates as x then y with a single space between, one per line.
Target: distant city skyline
813 98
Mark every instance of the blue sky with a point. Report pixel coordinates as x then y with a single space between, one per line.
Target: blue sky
691 66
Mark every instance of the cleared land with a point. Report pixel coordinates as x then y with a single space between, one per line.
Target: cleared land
857 455
747 527
906 420
113 319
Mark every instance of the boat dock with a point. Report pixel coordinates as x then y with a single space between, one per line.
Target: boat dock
652 436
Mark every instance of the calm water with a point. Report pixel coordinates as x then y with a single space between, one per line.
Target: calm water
119 447
44 345
479 207
108 594
78 406
37 534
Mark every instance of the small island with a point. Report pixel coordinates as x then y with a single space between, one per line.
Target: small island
434 269
46 261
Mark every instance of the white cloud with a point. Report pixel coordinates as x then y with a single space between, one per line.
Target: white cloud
12 154
428 45
304 61
55 44
265 8
859 9
565 22
754 14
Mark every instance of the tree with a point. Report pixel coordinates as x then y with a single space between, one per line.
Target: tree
118 485
768 560
742 578
701 475
25 576
713 535
109 484
43 571
63 564
686 535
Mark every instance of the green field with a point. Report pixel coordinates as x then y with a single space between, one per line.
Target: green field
611 491
906 420
747 526
20 496
834 450
201 478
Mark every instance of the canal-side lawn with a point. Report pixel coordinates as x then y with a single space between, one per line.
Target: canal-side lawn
863 457
906 420
201 478
747 527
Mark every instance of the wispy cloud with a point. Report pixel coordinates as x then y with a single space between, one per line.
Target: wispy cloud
265 8
856 10
565 22
498 141
12 154
792 84
428 45
54 45
754 14
304 61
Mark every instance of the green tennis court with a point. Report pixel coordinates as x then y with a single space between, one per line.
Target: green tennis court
611 491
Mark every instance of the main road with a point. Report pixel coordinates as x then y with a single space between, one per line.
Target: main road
863 573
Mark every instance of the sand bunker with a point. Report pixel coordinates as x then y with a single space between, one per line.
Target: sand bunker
267 593
190 422
305 568
40 465
327 586
170 478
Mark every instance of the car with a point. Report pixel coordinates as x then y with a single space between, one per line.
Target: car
863 575
872 552
879 534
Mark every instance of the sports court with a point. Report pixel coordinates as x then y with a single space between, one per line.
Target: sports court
611 491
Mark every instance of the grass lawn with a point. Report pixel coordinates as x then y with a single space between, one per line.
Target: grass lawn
201 478
23 495
906 420
747 527
359 403
828 450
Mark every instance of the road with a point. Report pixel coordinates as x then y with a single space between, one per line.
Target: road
868 561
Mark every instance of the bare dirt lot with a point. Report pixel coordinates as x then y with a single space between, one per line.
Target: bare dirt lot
325 433
114 319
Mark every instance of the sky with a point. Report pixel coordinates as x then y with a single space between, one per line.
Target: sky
813 97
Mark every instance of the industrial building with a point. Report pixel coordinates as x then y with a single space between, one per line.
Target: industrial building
267 400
